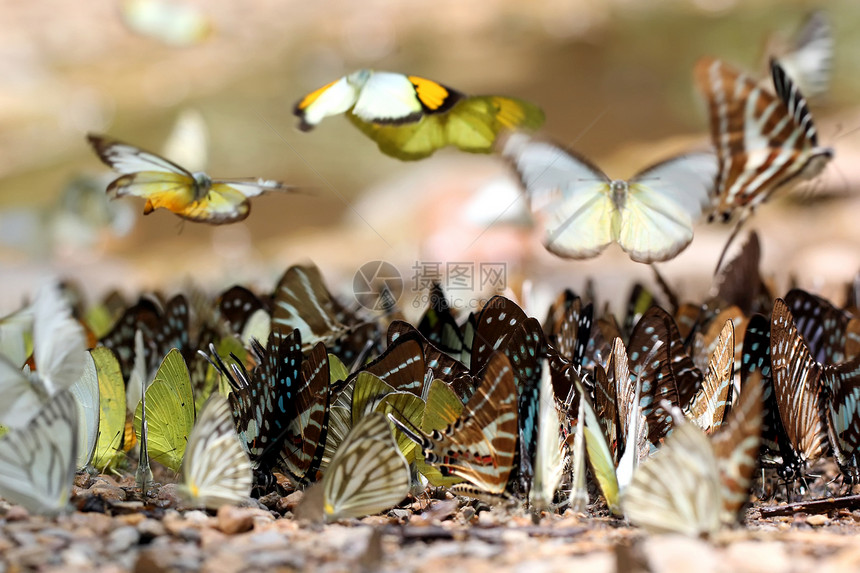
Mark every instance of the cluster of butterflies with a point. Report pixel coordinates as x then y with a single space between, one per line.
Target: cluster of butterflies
763 138
664 416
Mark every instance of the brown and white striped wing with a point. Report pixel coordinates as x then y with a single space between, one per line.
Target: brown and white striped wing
810 62
708 408
762 140
736 446
797 385
367 474
302 301
678 488
480 446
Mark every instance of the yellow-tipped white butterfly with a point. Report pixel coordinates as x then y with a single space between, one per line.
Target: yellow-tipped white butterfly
166 185
650 216
216 469
410 117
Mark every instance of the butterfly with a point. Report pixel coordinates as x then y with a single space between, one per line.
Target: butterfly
192 196
263 402
709 405
59 350
110 445
549 455
797 386
38 460
651 216
763 141
367 475
410 117
481 444
609 431
169 412
694 485
216 470
86 393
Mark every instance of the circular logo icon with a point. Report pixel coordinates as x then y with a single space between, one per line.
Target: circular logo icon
377 285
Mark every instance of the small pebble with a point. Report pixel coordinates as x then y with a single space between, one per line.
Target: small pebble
123 538
290 502
17 513
151 528
108 492
817 520
232 520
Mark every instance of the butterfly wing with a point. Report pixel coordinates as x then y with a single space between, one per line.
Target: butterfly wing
569 193
37 462
20 400
810 62
216 470
86 393
709 405
678 488
112 408
59 346
663 203
797 385
332 99
368 474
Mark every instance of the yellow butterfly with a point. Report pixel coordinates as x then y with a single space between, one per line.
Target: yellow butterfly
192 196
410 117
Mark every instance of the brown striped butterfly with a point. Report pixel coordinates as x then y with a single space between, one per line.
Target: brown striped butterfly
410 117
694 485
165 185
481 444
763 141
797 386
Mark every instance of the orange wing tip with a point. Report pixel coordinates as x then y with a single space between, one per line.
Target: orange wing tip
431 94
148 208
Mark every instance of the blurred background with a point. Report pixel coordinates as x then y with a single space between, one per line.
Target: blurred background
613 76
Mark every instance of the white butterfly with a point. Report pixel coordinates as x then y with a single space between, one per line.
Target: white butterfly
59 349
216 470
550 453
37 461
695 485
164 184
86 393
651 216
367 475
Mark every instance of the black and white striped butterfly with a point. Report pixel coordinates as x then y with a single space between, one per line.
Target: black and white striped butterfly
164 184
650 216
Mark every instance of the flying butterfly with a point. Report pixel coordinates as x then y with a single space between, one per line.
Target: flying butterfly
763 141
216 470
410 117
650 216
367 475
192 196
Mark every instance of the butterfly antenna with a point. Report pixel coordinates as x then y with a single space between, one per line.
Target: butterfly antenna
743 218
415 434
361 357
